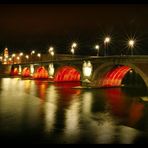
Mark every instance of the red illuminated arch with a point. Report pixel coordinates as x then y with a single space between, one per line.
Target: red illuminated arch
26 72
41 73
14 72
115 76
67 73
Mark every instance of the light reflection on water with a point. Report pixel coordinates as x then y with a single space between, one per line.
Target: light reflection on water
43 112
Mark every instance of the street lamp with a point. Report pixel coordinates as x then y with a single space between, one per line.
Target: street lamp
52 53
72 51
73 46
51 49
39 55
106 42
131 44
13 55
32 55
10 60
21 54
18 58
32 52
27 57
97 48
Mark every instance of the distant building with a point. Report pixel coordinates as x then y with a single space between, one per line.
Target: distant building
6 53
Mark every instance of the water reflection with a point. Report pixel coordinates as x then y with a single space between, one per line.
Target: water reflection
44 112
41 89
129 109
50 109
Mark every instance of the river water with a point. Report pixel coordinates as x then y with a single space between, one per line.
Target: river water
33 111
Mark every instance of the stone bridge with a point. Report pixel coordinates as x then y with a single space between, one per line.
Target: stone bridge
109 71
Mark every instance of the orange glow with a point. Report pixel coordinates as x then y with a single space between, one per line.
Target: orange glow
41 73
42 87
26 72
67 73
115 98
14 72
67 88
131 110
115 76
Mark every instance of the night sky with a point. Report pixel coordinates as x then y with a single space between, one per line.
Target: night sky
26 27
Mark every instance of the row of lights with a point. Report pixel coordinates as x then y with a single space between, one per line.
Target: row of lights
107 40
51 51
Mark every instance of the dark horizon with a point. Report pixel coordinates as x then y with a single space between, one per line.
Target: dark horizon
30 26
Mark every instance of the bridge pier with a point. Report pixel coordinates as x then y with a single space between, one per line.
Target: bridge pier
51 70
20 70
87 70
31 69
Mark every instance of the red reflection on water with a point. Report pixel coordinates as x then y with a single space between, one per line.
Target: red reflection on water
135 113
41 73
121 106
115 98
41 89
14 72
114 77
26 72
67 73
67 90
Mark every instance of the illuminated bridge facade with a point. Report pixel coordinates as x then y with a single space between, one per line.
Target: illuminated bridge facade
111 71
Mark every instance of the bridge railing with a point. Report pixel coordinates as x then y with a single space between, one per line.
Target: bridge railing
70 58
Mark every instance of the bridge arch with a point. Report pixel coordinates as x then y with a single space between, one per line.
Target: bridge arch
26 72
14 71
67 74
112 75
40 73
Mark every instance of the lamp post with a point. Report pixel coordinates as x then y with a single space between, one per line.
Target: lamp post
32 55
18 58
131 44
32 52
39 55
73 47
97 48
21 54
27 57
51 52
106 42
